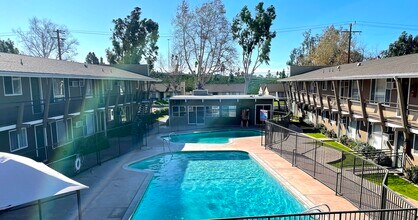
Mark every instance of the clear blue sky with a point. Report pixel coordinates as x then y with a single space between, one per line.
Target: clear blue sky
293 18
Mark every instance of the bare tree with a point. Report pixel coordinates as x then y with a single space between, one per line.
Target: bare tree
172 71
204 40
41 39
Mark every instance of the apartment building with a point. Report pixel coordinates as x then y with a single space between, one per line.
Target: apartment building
373 101
46 104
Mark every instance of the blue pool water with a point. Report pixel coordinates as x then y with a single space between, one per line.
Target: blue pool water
202 185
212 137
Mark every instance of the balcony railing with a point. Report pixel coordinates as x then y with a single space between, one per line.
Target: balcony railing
34 110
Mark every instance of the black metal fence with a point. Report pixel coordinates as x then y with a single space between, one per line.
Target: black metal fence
357 179
386 214
86 152
65 206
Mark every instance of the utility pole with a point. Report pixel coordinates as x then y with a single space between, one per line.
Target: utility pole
59 44
349 39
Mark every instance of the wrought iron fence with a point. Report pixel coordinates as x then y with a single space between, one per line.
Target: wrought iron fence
386 214
357 179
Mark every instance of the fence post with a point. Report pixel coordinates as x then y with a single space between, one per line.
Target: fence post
118 145
341 170
281 141
296 147
39 209
293 158
384 192
336 184
314 168
79 205
354 168
361 183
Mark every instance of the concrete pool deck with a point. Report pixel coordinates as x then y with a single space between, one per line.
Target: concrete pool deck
113 188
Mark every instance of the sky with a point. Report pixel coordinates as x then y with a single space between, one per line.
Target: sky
90 21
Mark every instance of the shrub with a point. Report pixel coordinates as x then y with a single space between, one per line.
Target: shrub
344 140
382 159
412 174
323 129
367 150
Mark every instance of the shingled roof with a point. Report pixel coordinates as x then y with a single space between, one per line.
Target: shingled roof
27 66
401 67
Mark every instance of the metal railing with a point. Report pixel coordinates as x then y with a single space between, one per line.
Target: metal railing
386 214
357 179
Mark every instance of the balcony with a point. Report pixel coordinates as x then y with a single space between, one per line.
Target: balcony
33 111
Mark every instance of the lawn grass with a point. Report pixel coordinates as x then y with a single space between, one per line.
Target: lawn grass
316 135
399 185
396 183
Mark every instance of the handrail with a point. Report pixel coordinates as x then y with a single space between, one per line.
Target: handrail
317 208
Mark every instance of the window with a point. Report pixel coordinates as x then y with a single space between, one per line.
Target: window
378 90
74 83
18 139
110 115
108 86
12 85
89 128
58 87
355 90
89 88
325 114
415 144
312 87
178 111
212 111
324 85
122 114
229 111
122 89
344 88
333 117
62 132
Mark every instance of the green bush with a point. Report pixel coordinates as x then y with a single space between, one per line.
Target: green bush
382 159
412 174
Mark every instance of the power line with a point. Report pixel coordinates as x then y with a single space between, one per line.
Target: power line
349 39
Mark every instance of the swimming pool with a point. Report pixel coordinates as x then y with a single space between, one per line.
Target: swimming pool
202 185
211 137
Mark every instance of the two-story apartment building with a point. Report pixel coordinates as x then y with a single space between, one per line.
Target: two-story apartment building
46 104
373 101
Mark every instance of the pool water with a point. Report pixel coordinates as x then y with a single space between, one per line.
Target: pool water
212 137
202 185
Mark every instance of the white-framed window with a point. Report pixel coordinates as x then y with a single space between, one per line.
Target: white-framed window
415 143
110 115
62 132
122 89
378 90
344 88
324 85
212 111
89 128
59 88
74 83
229 111
355 90
89 88
18 139
178 111
12 85
122 114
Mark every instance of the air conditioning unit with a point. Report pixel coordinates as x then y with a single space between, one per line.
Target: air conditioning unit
79 124
390 85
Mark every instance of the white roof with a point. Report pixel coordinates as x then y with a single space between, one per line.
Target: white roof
216 97
24 180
